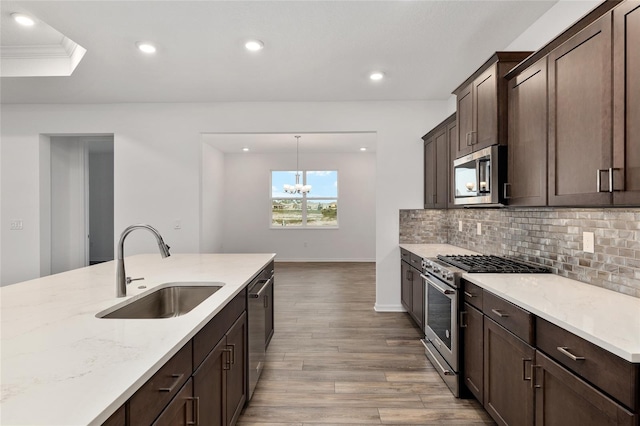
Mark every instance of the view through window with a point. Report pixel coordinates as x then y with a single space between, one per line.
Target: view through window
316 209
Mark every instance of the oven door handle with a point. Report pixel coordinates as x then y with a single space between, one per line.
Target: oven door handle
444 371
437 287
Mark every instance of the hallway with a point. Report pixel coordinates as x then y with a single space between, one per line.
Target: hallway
334 360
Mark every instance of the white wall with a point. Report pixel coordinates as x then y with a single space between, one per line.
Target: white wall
247 208
557 19
158 157
212 199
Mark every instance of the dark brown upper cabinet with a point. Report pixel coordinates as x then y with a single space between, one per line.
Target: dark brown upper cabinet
580 118
626 104
527 154
437 165
482 104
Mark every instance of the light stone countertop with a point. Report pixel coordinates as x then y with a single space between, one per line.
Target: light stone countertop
60 365
605 318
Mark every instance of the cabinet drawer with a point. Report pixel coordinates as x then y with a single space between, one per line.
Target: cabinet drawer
405 255
515 319
147 403
210 335
473 294
416 261
612 374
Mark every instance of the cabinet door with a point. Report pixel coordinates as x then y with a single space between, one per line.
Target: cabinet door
473 351
430 174
208 385
464 121
269 312
485 117
527 153
418 299
452 140
580 123
406 290
236 375
183 409
442 170
626 103
563 399
508 395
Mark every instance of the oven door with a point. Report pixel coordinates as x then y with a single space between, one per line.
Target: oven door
441 319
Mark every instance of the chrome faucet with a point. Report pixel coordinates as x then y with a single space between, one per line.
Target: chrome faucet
121 277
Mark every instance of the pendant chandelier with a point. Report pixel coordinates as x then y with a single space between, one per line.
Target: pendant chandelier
298 188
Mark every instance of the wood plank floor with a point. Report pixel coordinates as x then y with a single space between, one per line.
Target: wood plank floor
334 360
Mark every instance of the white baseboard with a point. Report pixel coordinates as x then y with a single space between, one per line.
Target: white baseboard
388 308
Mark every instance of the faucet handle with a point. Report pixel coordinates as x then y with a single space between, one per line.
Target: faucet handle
129 279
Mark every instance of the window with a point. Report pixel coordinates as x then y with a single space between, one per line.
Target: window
316 209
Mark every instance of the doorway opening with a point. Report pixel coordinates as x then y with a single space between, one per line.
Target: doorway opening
78 225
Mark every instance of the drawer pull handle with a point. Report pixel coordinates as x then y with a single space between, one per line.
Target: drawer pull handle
524 369
565 351
499 313
170 389
466 293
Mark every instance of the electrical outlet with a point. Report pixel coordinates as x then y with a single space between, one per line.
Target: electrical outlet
16 225
588 242
459 226
479 229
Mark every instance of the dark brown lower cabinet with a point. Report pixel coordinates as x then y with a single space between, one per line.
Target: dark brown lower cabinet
236 374
563 399
208 384
183 409
508 395
268 327
473 351
418 299
406 290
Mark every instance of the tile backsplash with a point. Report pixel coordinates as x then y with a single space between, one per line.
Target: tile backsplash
549 236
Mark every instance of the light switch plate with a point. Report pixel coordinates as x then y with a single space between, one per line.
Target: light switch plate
588 242
479 230
16 225
459 226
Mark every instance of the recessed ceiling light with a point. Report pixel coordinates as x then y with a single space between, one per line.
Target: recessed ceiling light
376 76
245 149
363 149
254 45
146 47
23 19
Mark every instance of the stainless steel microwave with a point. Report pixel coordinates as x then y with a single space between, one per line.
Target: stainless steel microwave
478 177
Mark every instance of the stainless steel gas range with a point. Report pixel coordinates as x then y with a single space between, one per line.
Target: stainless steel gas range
442 276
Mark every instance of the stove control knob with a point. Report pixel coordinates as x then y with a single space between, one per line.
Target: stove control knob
436 269
449 277
427 265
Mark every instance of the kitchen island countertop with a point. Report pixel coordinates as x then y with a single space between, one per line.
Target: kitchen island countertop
63 366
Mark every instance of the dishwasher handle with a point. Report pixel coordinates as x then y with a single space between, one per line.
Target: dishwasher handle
258 294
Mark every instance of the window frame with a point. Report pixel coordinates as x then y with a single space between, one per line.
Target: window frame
304 198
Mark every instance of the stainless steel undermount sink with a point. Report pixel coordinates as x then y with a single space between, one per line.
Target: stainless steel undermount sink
168 301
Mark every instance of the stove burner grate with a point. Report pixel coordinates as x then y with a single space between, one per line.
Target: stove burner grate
491 264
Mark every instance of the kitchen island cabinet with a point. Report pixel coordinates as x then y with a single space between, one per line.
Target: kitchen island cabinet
118 356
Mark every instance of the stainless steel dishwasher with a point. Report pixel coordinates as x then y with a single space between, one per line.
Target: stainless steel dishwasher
257 327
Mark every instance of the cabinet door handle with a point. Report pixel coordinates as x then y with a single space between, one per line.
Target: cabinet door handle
233 353
178 379
227 362
505 192
467 139
471 133
609 171
266 300
195 411
564 350
466 293
499 313
534 377
462 316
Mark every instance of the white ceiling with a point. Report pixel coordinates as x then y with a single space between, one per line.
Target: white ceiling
314 50
310 143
